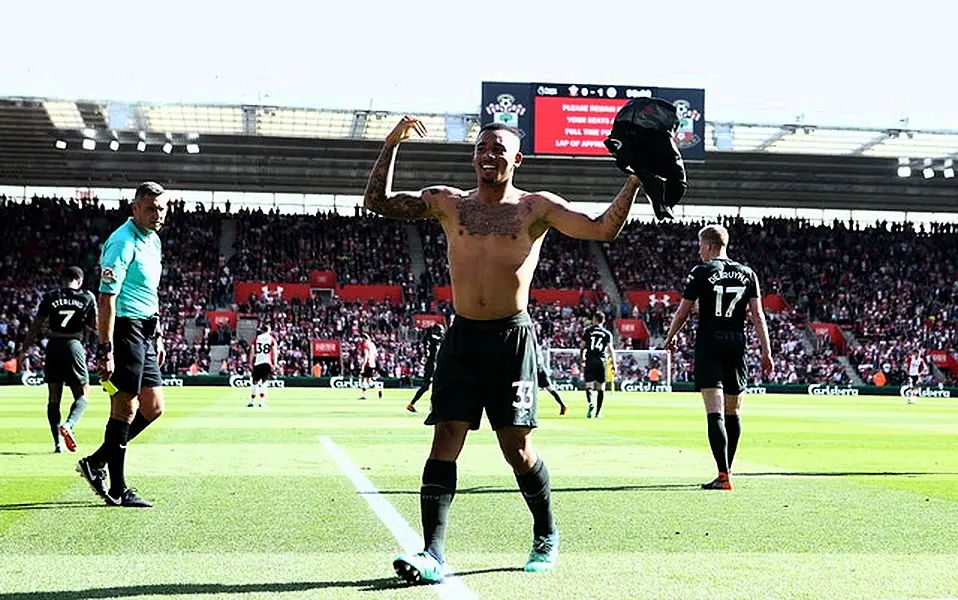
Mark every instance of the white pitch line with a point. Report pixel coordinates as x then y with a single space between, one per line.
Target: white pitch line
452 588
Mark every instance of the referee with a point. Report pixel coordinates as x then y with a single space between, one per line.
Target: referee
131 351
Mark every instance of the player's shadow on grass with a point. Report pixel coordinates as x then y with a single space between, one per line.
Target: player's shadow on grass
202 589
21 453
842 474
655 487
50 504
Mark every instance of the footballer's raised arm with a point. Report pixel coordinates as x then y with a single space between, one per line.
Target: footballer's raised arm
407 206
560 214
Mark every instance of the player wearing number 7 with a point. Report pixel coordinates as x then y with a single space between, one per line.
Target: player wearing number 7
725 291
487 361
70 310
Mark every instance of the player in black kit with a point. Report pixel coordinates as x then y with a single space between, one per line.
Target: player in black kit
431 339
725 290
69 310
545 382
596 350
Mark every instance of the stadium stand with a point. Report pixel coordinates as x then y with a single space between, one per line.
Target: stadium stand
890 288
272 247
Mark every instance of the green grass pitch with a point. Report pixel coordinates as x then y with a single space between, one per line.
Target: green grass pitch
838 498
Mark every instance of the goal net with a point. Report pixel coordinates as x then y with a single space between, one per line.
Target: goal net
635 370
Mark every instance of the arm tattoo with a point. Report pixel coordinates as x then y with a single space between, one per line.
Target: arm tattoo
380 199
499 219
407 207
613 219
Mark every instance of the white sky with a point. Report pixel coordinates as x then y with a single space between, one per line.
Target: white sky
839 62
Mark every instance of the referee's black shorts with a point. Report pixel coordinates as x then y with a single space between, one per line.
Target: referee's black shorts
134 355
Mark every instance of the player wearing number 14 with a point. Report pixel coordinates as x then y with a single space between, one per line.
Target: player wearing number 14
725 290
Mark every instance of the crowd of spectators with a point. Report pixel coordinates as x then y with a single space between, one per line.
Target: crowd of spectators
894 287
790 350
276 247
890 284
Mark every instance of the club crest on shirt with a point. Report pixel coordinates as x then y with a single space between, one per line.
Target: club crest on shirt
108 275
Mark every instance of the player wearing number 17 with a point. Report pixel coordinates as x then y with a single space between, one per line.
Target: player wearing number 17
487 360
725 291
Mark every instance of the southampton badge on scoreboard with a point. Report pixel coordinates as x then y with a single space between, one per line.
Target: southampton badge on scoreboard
506 110
685 137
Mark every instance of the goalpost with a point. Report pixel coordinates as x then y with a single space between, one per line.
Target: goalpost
635 370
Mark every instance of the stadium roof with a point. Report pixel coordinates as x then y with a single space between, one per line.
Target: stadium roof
276 121
285 150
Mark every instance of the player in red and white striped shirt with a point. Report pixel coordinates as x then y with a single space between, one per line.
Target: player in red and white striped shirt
917 368
370 356
263 360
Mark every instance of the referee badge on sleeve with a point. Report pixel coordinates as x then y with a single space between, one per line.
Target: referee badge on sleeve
108 275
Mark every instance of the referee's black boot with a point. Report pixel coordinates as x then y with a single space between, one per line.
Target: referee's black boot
128 498
94 474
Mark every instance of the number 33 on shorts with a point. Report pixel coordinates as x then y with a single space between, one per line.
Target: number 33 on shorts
525 396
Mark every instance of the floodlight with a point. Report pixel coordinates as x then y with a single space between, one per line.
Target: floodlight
89 144
193 148
61 145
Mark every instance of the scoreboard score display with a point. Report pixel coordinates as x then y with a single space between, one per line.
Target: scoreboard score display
573 119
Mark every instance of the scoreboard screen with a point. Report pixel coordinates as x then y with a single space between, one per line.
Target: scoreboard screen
574 119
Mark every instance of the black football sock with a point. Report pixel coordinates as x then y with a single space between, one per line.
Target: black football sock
435 497
718 440
53 418
114 443
598 405
588 396
733 426
555 395
537 492
419 393
76 411
138 425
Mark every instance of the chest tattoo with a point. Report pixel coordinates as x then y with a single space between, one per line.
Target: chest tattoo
501 219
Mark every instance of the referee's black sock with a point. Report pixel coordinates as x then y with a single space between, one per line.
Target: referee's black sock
53 418
435 497
588 396
600 397
114 445
419 393
537 492
733 426
718 440
76 411
138 425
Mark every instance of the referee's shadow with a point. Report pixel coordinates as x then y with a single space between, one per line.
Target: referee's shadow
202 589
51 505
